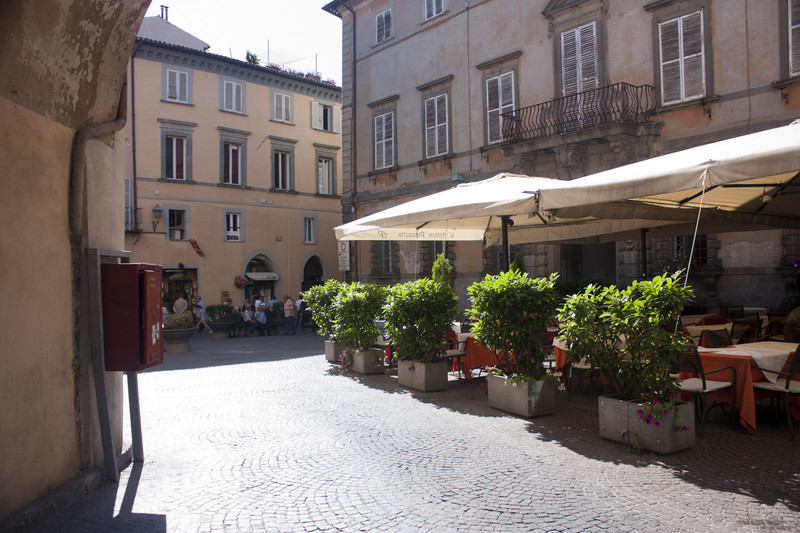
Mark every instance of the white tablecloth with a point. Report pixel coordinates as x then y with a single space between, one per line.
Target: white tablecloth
769 355
695 331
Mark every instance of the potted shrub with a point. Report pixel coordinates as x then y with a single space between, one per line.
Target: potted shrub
629 335
357 306
418 315
320 300
219 318
510 313
178 328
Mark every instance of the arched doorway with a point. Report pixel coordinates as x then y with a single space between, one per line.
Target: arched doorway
312 273
262 277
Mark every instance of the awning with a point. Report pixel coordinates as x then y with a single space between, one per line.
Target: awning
262 276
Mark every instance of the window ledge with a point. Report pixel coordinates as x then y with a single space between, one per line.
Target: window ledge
387 170
173 180
232 112
689 103
232 186
282 122
167 101
285 191
383 42
322 195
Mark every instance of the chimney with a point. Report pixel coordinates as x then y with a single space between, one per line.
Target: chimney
165 12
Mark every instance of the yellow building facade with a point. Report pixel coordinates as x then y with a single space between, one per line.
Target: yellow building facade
232 169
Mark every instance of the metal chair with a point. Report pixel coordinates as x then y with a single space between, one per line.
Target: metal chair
454 350
785 386
791 331
744 330
698 386
715 338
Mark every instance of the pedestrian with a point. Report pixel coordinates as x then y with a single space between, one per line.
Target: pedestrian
238 324
200 314
249 321
262 321
180 305
288 316
298 312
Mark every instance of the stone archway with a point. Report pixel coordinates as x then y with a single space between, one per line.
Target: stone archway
263 279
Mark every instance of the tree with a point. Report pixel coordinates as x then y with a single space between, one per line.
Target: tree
252 58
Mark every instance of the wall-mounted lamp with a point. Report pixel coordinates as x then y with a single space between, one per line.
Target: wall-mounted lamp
157 212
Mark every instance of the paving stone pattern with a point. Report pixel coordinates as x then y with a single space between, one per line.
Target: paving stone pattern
262 434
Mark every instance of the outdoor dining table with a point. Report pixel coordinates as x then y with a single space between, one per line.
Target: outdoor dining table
695 332
744 358
477 355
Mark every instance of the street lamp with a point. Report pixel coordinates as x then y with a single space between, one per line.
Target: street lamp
157 212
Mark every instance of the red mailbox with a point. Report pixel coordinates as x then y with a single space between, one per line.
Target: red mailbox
132 316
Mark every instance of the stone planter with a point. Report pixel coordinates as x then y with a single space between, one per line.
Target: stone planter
619 421
425 377
333 351
367 362
220 330
178 339
523 398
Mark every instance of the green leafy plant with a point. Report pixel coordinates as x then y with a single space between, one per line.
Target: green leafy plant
357 305
418 314
321 300
510 313
180 321
629 334
219 313
441 270
517 264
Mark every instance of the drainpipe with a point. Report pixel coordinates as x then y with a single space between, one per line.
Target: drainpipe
134 195
82 287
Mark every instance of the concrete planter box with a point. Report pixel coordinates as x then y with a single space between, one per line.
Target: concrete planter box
177 340
333 350
367 362
523 398
425 377
219 330
619 421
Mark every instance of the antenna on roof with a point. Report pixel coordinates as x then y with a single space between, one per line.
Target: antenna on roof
165 12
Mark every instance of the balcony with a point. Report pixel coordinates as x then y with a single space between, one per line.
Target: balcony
133 219
620 103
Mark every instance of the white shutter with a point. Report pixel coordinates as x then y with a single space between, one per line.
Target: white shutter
682 59
493 110
337 119
238 104
588 57
430 127
379 152
172 85
670 62
794 37
569 62
387 21
383 26
183 86
228 96
428 9
315 116
441 121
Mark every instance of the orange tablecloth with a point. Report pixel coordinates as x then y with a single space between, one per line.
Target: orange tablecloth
477 356
745 376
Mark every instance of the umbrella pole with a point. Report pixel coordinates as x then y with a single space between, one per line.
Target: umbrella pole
504 224
644 253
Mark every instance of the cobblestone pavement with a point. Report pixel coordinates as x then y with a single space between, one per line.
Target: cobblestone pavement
262 434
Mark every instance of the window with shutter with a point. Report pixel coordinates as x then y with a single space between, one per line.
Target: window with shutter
384 141
383 26
232 227
324 175
175 153
499 100
682 59
232 164
281 110
232 98
579 60
436 141
177 86
281 175
433 8
794 37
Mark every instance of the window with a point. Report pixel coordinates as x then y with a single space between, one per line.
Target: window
310 229
326 117
794 37
176 225
175 153
499 99
384 141
232 226
683 249
383 26
388 249
324 175
433 8
177 86
232 163
281 170
281 107
176 149
436 142
682 58
578 60
233 97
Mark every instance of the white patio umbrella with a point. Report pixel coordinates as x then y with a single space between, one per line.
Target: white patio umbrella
748 182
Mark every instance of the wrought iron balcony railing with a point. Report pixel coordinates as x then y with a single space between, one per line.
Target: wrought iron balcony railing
133 219
613 104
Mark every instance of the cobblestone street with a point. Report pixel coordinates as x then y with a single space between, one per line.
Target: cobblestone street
262 434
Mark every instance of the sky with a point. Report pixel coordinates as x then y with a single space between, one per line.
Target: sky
297 34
